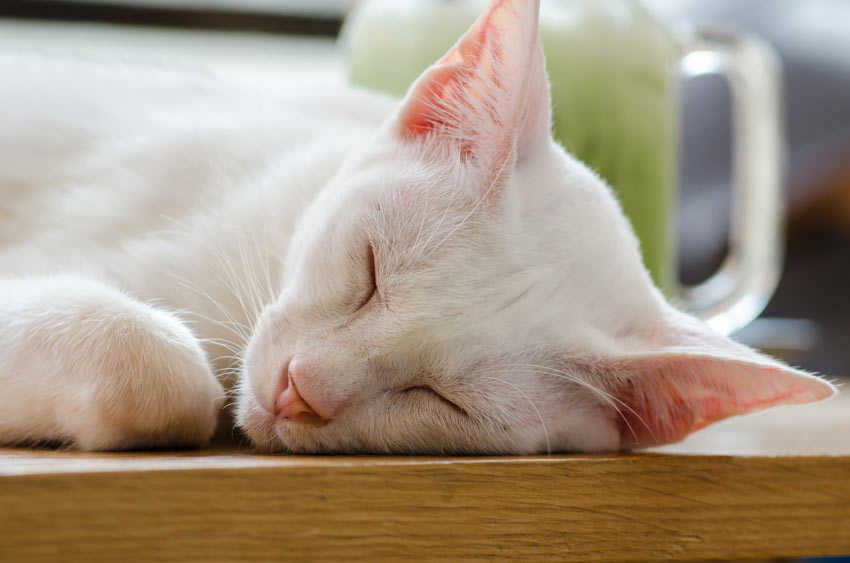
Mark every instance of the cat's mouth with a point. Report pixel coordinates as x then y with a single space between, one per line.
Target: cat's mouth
309 419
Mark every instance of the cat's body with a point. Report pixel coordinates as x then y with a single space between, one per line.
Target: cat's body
130 154
178 188
435 276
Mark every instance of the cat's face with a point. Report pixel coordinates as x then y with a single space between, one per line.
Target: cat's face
426 316
464 286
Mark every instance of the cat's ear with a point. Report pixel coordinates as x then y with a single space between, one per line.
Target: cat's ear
687 377
489 95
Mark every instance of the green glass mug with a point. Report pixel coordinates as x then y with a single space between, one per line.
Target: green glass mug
615 72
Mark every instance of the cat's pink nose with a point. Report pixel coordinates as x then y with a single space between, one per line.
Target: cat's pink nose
289 403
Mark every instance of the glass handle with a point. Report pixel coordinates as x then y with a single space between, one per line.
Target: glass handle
743 285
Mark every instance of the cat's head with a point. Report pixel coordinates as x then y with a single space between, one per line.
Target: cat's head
465 286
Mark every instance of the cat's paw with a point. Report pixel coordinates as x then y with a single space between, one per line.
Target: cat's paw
112 373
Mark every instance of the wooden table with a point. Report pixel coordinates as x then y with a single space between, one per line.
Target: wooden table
769 485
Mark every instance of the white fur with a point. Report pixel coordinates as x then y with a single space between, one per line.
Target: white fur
508 281
178 190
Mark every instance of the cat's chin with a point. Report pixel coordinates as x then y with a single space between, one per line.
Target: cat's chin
270 434
258 424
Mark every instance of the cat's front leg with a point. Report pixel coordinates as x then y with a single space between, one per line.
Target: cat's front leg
83 364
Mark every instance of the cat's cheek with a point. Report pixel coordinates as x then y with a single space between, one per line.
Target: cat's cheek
266 355
596 430
387 423
257 423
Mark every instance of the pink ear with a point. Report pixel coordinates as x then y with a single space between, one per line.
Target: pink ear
666 397
701 378
489 91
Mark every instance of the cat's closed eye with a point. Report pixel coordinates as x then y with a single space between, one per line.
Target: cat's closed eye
371 287
433 393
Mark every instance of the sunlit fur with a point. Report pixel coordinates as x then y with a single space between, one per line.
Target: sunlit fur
158 226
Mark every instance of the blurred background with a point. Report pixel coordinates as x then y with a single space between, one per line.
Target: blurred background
813 41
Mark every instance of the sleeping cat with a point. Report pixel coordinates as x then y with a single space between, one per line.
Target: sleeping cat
430 276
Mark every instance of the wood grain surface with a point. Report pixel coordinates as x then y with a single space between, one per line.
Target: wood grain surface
231 505
582 508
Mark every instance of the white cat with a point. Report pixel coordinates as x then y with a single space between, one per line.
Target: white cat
433 277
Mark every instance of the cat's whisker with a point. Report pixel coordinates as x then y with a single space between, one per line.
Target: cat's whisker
234 283
232 357
231 345
558 374
264 250
231 324
228 363
230 404
610 399
261 295
223 262
234 327
248 292
247 285
265 259
232 392
236 286
536 410
241 291
263 291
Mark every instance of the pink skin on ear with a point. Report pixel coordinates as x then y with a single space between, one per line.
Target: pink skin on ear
666 397
487 90
450 78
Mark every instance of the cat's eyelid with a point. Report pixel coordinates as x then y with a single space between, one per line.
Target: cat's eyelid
370 258
372 280
427 388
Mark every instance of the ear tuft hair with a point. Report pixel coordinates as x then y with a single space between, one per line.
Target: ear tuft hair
477 97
